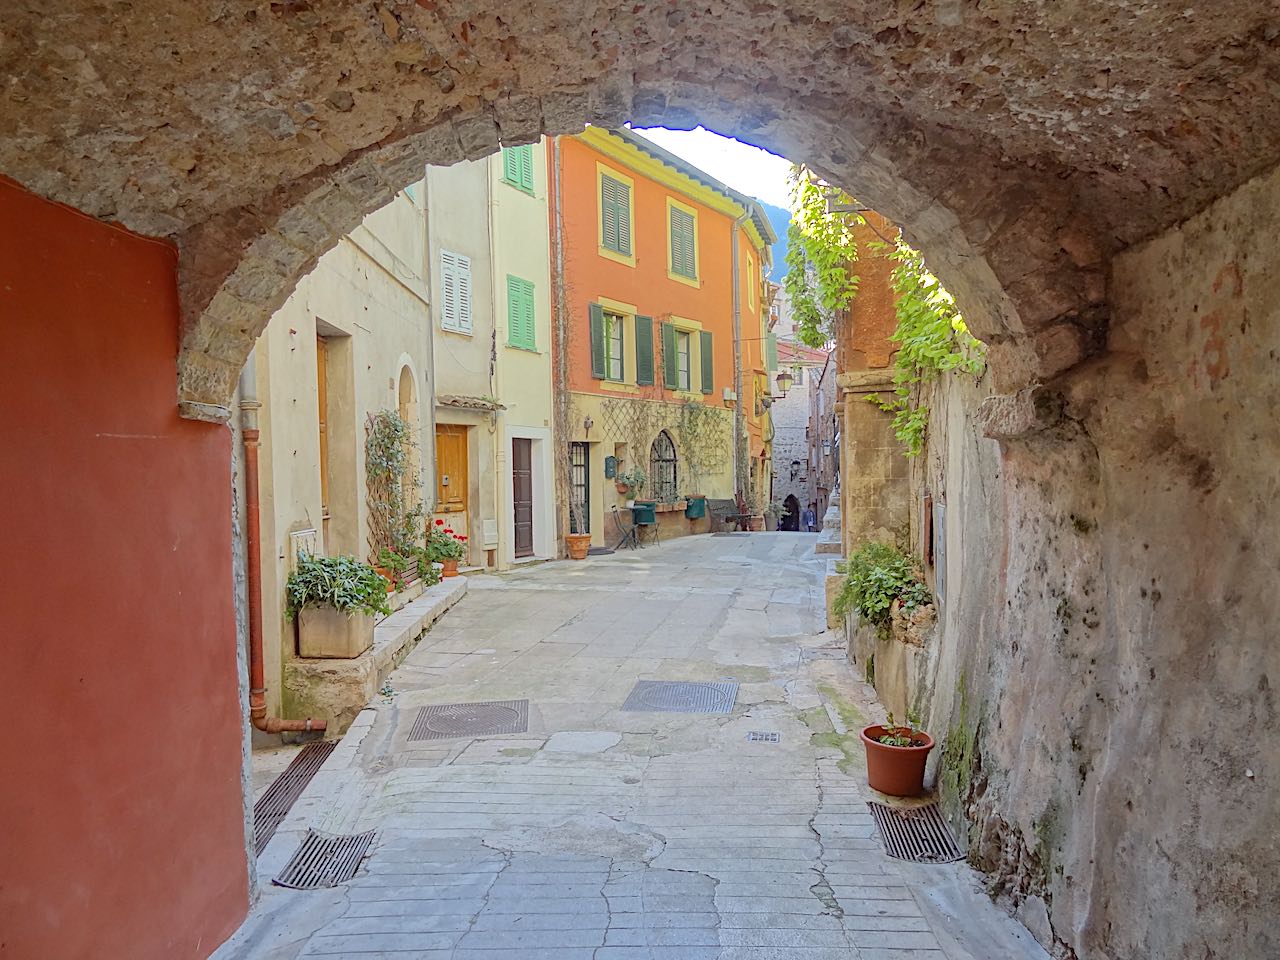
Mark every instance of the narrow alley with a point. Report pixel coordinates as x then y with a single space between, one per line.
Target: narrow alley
608 833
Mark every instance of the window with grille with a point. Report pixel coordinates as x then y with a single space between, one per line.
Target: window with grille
521 321
662 468
615 215
799 376
455 292
684 358
613 328
684 256
517 167
579 478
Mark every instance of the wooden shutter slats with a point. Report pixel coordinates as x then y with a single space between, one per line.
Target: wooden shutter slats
596 313
708 364
669 372
683 252
644 351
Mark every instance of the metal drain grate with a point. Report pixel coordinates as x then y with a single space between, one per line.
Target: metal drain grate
324 860
918 834
274 805
761 736
681 696
730 533
448 720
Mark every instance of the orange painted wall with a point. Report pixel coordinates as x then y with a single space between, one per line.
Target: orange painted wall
121 823
589 276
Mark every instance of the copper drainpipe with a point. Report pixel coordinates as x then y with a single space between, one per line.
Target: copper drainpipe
249 407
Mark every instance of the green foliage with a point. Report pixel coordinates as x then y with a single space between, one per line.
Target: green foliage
876 574
443 544
633 479
391 478
896 736
705 440
428 573
932 339
820 249
345 583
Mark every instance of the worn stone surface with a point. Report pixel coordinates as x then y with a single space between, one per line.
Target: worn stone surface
258 134
673 837
1103 679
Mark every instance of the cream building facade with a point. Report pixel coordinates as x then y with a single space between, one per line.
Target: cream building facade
353 339
488 235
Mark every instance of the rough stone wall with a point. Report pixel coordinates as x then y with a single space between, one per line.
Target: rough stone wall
1104 677
790 422
1019 149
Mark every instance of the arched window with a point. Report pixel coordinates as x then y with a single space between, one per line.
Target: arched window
662 468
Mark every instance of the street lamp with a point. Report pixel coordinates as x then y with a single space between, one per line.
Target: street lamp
784 382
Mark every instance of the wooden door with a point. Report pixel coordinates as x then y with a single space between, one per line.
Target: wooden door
451 468
322 419
522 494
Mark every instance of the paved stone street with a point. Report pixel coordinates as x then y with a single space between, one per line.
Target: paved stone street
603 834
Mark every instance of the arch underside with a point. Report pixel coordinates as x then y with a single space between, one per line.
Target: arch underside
257 137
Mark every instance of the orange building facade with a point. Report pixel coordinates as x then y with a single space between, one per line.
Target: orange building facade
664 374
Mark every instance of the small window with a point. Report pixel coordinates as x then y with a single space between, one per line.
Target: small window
684 360
521 323
662 468
455 292
517 167
613 366
684 255
799 377
615 215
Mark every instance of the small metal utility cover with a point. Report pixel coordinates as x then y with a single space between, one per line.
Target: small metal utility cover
448 720
681 696
325 860
762 736
918 834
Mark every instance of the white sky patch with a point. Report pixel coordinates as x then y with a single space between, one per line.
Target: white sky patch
747 169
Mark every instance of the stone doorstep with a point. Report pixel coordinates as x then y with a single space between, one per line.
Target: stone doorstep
338 690
829 541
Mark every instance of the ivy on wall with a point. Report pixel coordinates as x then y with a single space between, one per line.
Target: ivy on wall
396 513
931 334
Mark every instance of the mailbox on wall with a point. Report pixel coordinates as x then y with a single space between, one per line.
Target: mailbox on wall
610 467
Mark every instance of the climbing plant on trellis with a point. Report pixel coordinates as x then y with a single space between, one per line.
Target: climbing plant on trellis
391 482
706 440
637 420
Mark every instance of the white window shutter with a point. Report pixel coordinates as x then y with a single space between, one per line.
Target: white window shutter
464 293
448 290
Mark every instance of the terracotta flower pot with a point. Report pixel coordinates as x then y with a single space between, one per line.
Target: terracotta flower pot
755 524
578 544
621 487
387 575
450 567
897 771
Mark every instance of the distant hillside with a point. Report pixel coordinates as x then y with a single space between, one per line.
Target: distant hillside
779 219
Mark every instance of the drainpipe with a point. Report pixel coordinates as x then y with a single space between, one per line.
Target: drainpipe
249 407
740 472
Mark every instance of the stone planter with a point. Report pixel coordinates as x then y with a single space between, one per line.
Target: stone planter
325 632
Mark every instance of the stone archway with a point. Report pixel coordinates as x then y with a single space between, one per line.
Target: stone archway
255 137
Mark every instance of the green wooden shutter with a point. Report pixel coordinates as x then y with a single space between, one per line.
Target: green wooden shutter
644 351
771 348
615 212
708 367
597 341
683 255
669 356
526 167
520 315
517 167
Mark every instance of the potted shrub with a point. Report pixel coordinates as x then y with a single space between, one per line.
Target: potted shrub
335 600
391 566
445 547
428 571
896 757
876 575
630 482
577 544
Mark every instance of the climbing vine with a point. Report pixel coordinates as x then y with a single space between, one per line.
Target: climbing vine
705 440
820 251
396 512
931 334
932 338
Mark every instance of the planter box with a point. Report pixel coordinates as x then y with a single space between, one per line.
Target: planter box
328 633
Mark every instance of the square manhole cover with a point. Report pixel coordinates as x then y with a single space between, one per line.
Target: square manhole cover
444 721
681 696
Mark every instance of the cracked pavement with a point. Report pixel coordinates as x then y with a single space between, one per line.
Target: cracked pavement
609 835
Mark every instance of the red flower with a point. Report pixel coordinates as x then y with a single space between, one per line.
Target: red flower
462 539
448 530
439 523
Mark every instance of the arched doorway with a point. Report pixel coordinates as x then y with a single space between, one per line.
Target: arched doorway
790 514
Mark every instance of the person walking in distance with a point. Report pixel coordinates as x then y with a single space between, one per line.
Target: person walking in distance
809 519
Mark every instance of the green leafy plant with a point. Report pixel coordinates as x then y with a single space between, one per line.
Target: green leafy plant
896 736
706 440
633 479
344 583
428 573
932 339
877 574
820 251
393 561
396 513
443 544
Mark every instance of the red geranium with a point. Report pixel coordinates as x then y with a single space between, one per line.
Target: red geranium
439 523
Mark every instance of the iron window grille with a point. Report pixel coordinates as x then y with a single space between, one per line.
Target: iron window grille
662 468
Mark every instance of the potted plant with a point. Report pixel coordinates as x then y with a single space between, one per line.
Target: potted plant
335 600
896 757
445 547
391 566
630 482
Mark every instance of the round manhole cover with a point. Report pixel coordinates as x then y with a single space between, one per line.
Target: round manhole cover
687 697
470 718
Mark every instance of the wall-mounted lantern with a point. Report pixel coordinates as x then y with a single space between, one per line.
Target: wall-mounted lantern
784 383
587 424
826 448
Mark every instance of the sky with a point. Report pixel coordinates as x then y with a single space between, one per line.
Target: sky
747 169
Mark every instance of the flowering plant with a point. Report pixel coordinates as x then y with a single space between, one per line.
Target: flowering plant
443 544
